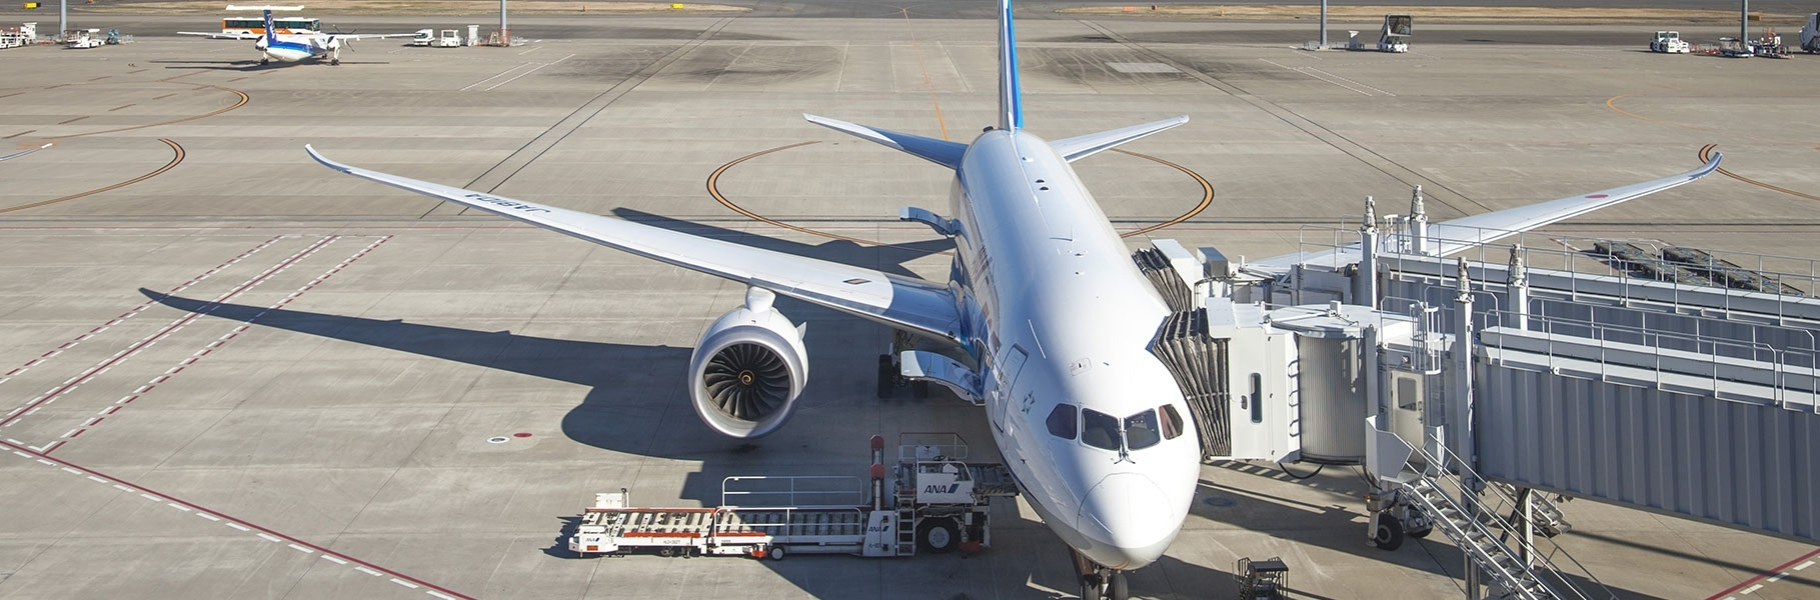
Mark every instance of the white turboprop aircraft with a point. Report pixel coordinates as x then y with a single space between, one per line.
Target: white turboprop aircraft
1046 319
295 46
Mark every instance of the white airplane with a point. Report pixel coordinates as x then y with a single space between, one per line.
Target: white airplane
297 45
1046 319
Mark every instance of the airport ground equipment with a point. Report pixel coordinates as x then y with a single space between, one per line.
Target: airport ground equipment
1810 34
84 38
933 500
1262 579
423 37
1734 48
14 37
449 38
1669 42
1392 37
1770 45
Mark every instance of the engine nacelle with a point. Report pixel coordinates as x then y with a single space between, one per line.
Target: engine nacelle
748 369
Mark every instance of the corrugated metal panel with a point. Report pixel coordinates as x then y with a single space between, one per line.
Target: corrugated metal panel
1739 464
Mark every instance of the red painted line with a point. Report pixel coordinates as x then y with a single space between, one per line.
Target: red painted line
232 519
127 400
142 344
75 433
1771 573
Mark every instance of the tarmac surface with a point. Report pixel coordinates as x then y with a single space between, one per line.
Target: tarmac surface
234 373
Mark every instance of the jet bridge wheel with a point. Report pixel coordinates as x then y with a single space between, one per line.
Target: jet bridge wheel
1389 535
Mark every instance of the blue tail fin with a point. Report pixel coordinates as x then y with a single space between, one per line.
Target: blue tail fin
271 31
1010 106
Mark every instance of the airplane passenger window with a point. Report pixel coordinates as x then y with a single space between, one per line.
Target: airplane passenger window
1061 421
1172 422
1141 430
1099 430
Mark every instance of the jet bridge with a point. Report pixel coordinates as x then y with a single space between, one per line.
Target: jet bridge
1550 369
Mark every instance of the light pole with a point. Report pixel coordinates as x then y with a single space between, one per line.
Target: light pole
505 33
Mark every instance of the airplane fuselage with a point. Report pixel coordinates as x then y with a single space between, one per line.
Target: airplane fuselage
1060 319
293 48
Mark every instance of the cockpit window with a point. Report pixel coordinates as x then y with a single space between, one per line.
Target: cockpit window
1099 430
1141 430
1172 422
1061 421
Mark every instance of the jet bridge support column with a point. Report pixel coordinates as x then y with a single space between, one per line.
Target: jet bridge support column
1459 409
1519 287
1365 286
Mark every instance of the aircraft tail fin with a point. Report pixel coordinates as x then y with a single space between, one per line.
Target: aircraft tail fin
1083 146
271 29
1010 105
941 152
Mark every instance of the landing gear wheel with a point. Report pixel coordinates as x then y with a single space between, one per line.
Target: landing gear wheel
1090 587
1116 588
919 389
937 536
264 61
334 61
776 553
1389 535
887 377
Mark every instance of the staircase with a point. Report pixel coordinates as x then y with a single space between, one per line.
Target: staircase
1436 494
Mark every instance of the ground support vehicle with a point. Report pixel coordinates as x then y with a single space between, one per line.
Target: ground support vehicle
1669 42
931 501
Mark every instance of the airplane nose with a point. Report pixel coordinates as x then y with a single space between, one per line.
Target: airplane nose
1128 520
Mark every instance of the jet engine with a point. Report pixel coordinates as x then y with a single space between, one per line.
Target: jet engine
748 369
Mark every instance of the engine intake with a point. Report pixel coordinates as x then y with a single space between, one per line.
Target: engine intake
748 369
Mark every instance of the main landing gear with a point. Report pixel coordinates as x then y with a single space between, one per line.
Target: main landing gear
1099 583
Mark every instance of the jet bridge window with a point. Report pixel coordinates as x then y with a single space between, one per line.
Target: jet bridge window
1061 421
1099 429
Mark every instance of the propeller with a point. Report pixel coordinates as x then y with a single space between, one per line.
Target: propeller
746 381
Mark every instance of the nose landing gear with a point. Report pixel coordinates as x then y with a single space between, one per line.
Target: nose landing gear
1100 583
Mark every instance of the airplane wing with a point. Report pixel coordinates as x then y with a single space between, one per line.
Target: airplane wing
1470 232
925 307
221 36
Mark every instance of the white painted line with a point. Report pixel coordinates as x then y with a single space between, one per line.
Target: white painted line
1804 565
150 497
124 488
368 571
440 595
271 538
208 516
1751 589
238 526
13 441
334 559
178 506
302 549
72 471
96 479
47 462
22 454
72 433
405 583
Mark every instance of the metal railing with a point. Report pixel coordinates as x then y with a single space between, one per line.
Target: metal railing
1548 561
802 491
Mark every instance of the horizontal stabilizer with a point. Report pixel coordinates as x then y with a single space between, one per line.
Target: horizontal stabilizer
941 152
1083 146
262 7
